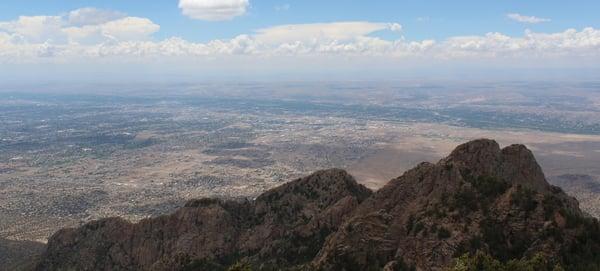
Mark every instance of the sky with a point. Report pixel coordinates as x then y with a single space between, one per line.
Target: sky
188 40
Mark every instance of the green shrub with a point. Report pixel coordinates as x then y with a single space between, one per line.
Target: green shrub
483 262
478 262
240 267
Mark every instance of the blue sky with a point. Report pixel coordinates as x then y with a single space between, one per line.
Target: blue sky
421 19
388 34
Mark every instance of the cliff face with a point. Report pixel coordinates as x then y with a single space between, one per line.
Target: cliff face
285 226
480 198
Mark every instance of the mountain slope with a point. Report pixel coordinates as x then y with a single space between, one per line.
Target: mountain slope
283 227
19 255
480 197
481 201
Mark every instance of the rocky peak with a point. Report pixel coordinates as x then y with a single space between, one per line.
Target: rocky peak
483 155
480 199
520 167
514 164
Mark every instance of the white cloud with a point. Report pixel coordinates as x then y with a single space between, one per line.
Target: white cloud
47 50
79 26
130 28
88 34
320 32
35 29
303 41
93 16
396 27
526 19
125 29
569 43
56 38
213 10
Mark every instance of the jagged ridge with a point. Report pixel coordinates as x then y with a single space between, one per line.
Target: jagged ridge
285 226
480 198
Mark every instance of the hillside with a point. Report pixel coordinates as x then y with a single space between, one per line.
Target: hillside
19 255
481 205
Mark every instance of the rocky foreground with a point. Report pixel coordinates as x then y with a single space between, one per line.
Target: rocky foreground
481 207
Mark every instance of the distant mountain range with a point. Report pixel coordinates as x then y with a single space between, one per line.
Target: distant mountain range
480 208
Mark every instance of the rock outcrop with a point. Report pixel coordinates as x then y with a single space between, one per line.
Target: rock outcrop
480 199
284 227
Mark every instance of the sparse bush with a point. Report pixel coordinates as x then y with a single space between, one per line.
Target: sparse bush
402 266
478 262
443 233
523 198
489 186
240 267
419 227
582 253
553 232
483 262
493 235
465 200
202 265
475 242
551 203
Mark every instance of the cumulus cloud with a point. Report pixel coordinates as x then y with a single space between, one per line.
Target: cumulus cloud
82 26
277 42
35 29
93 16
567 43
526 19
396 27
336 31
125 29
213 10
58 38
129 28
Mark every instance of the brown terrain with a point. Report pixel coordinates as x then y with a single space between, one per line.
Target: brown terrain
19 255
480 200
